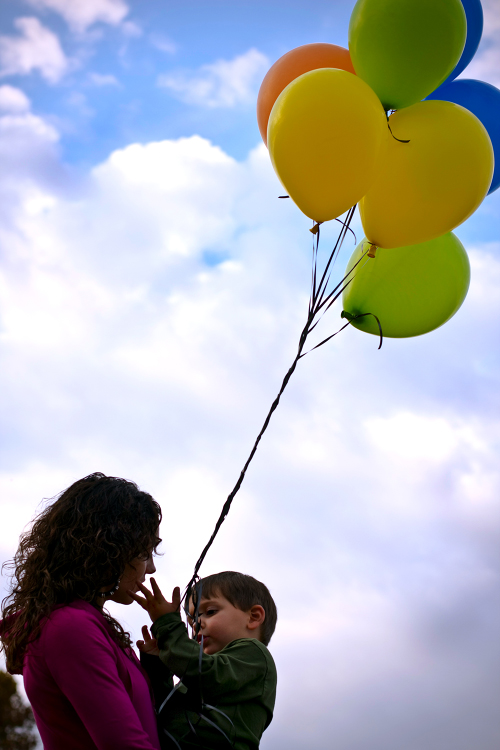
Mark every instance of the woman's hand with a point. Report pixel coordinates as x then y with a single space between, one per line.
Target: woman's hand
154 602
149 644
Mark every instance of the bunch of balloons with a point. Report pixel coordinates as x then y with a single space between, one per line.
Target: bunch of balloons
386 125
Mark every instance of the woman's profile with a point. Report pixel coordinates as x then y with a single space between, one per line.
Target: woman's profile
93 544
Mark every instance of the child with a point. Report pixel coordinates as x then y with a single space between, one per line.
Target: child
226 693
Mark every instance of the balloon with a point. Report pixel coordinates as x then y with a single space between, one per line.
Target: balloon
296 62
405 48
483 100
430 185
412 290
325 137
474 15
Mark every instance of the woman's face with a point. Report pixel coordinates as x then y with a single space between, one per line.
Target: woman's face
135 572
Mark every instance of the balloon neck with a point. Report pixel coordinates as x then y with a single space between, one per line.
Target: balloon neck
347 315
371 252
315 228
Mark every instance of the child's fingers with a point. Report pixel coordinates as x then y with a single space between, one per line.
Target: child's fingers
147 593
176 597
143 602
156 590
145 633
140 645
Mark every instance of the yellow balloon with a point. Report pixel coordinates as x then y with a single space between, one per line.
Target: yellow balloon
430 185
325 135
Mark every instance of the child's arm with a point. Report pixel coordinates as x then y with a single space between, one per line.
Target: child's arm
240 669
241 666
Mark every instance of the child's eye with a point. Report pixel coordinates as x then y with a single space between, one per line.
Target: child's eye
210 612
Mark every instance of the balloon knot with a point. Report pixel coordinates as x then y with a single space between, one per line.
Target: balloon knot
346 315
315 228
373 249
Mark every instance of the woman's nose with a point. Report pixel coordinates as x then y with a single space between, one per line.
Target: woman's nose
150 567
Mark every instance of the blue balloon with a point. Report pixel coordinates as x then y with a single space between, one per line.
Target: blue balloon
483 100
474 15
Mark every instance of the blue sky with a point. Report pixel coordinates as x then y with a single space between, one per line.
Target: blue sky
152 290
108 91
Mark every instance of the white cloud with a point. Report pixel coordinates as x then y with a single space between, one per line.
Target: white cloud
79 103
13 99
103 79
123 350
224 83
36 48
131 29
20 128
163 43
413 436
80 14
485 65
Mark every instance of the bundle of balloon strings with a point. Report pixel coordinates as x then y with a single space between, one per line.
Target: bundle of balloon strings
320 301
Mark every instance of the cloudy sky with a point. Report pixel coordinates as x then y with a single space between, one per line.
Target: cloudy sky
152 291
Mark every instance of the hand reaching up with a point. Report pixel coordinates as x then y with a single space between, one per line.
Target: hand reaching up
155 603
149 644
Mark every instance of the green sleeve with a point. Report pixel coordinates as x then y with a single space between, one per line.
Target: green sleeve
240 667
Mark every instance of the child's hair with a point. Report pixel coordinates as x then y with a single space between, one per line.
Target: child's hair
243 592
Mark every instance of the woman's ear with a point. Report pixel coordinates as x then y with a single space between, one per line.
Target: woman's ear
257 615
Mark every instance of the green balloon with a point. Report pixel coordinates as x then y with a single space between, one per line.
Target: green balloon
412 290
404 49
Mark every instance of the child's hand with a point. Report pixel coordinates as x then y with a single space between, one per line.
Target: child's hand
149 644
155 603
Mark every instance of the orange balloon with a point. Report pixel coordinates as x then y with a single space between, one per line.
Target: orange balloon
292 65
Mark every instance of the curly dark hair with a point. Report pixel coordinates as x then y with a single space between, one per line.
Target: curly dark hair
76 546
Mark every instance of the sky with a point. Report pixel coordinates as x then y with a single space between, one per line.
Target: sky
152 292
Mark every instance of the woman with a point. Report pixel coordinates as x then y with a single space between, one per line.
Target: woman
86 686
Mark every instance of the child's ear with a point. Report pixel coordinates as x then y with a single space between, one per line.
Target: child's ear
257 615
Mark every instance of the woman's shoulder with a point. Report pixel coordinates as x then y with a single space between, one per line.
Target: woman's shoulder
75 611
78 618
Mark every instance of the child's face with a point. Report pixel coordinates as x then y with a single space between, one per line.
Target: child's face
221 623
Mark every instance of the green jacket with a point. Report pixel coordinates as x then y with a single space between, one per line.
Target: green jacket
239 681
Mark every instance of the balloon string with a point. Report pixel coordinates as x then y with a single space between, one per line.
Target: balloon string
399 140
351 318
319 302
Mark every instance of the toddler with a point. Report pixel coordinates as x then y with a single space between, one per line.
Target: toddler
227 677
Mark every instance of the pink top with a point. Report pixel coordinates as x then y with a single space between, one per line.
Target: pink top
86 693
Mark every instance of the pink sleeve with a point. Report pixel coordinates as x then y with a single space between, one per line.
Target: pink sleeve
84 665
